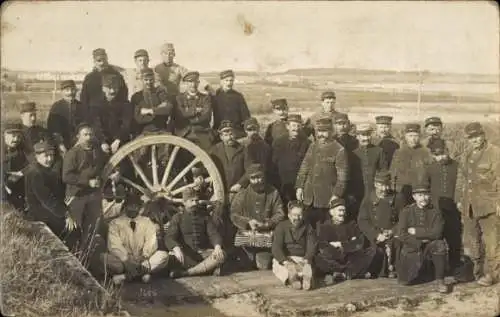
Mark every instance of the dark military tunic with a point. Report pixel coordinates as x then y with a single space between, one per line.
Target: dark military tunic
151 100
275 130
353 258
64 117
191 119
287 156
376 215
256 151
92 95
265 207
389 145
367 160
310 124
323 173
230 105
115 122
349 142
230 162
291 241
424 245
33 135
192 232
14 160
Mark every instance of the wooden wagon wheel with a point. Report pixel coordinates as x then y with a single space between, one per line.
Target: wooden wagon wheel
174 162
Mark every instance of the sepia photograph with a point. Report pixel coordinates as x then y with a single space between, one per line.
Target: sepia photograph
250 159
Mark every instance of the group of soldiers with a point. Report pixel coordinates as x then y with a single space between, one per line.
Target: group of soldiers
315 201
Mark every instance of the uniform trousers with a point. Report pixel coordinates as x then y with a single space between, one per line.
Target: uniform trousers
413 261
157 262
86 210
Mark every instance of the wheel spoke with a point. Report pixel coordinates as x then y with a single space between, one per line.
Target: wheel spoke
108 207
170 163
182 173
177 200
181 189
136 186
154 165
140 172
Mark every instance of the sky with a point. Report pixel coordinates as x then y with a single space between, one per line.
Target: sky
460 37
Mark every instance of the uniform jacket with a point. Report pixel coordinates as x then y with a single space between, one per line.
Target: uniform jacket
449 146
115 122
389 145
193 230
366 161
92 95
79 167
265 207
161 113
348 234
231 164
133 79
407 164
13 160
256 151
44 194
443 180
192 114
323 173
310 124
127 244
479 180
64 117
170 76
287 156
376 215
428 224
230 105
290 241
275 130
349 142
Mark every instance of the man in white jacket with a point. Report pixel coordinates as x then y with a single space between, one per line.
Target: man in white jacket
133 245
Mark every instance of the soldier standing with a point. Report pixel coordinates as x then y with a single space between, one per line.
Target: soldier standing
384 138
133 77
193 113
91 95
230 104
328 100
368 159
287 156
65 115
323 174
479 176
169 74
277 128
14 166
407 164
434 130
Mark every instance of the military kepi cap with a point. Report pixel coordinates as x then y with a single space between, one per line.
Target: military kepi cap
364 128
42 147
225 125
324 124
474 129
191 76
147 73
421 187
337 202
255 169
279 104
67 84
383 119
141 52
383 177
12 127
328 95
226 73
168 47
251 124
294 117
28 106
412 127
433 121
99 52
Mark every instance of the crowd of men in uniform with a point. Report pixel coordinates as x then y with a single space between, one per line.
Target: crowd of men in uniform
315 201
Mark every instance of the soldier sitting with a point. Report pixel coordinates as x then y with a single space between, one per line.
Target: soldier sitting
294 247
420 231
133 245
342 251
377 219
190 236
255 211
14 165
277 129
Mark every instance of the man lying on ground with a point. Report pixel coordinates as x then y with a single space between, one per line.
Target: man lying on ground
294 246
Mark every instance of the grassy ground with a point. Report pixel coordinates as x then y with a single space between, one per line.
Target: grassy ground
33 282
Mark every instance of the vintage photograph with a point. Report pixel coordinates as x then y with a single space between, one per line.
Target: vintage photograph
250 158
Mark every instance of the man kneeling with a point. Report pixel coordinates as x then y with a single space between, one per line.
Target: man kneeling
190 235
342 251
420 231
133 245
294 246
255 211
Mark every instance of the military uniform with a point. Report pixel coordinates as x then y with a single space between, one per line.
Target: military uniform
290 241
388 143
436 121
170 76
13 160
479 196
116 122
152 100
230 161
277 129
256 151
310 124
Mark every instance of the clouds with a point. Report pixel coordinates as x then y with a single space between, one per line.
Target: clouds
442 36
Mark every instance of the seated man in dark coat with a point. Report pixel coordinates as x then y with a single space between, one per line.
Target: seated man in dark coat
342 250
194 240
377 220
293 249
255 211
420 231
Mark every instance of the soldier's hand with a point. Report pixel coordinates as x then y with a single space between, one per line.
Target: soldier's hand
62 150
411 230
178 254
336 244
146 111
235 188
381 237
94 183
115 145
300 194
70 224
459 206
105 148
14 176
254 224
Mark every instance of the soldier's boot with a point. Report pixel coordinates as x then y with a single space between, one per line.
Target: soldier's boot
307 277
208 264
485 280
